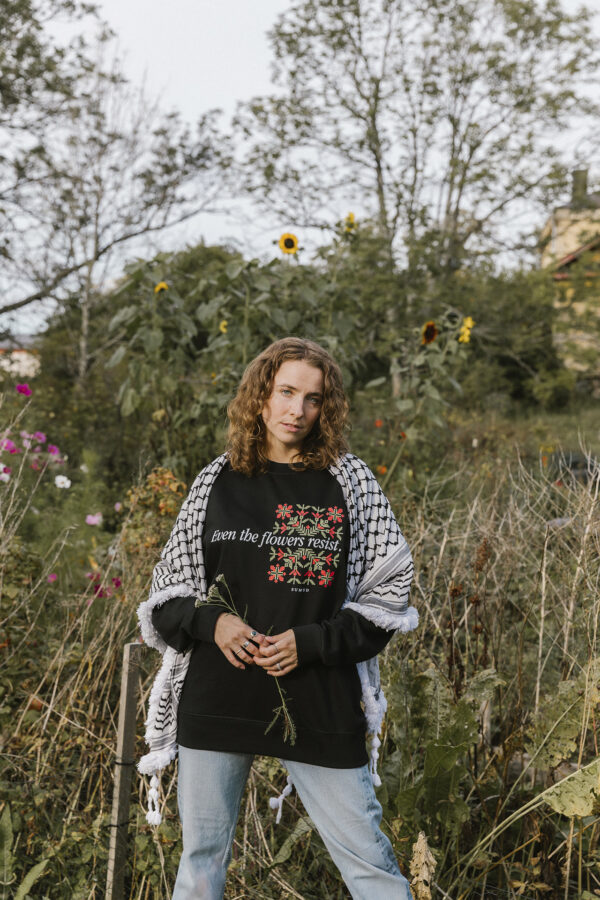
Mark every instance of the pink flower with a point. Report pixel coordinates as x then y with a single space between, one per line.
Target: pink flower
51 448
6 469
27 443
24 389
118 506
117 582
9 445
35 466
52 577
37 449
93 576
93 519
40 436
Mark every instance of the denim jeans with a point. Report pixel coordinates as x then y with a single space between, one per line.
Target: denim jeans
340 802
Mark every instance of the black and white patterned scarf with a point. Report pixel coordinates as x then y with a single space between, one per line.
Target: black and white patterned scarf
378 576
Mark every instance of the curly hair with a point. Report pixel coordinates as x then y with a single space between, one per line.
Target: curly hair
247 444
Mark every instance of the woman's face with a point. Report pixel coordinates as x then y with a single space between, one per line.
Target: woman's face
292 409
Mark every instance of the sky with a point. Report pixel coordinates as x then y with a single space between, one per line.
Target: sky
199 55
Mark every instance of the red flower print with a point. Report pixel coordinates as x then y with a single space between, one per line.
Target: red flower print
280 553
335 514
284 511
325 578
283 527
328 559
302 513
276 573
310 574
332 531
317 515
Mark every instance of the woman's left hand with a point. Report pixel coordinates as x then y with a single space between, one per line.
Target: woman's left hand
278 655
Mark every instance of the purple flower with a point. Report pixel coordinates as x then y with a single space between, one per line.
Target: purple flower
117 582
52 577
93 518
118 506
6 469
24 389
52 449
9 445
40 436
37 449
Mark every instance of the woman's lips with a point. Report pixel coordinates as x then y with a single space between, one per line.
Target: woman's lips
292 428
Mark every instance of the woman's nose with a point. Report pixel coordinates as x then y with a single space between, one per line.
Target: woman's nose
297 406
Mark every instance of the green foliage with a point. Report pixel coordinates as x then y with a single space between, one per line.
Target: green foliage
556 727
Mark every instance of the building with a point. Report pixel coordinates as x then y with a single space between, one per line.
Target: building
570 246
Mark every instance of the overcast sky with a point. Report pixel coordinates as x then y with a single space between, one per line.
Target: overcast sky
199 55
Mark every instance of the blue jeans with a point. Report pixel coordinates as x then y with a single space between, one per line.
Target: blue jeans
341 803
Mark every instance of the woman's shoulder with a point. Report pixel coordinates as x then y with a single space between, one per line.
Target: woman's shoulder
355 466
207 475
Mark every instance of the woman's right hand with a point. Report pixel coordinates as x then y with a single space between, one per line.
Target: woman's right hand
236 640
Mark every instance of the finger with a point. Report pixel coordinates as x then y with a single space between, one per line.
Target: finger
283 671
234 660
244 653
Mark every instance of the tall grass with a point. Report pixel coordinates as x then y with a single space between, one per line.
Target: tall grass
493 699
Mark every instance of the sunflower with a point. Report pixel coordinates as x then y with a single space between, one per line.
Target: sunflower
429 332
288 243
223 326
465 330
161 286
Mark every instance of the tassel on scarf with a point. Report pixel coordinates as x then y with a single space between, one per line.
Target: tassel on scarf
153 816
277 802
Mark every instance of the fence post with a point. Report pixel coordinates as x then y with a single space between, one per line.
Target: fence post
124 763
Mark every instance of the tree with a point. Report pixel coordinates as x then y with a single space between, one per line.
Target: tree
109 167
439 116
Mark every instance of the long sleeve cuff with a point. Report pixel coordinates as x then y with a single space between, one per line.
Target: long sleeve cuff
346 638
179 622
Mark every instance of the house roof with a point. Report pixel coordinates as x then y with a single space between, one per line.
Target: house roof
576 254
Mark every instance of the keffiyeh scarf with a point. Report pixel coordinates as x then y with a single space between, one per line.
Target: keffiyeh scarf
378 576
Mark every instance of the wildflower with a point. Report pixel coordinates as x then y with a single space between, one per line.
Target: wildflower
4 476
223 326
52 577
381 470
118 506
84 468
349 222
61 481
52 450
37 449
117 582
8 445
40 436
24 389
402 435
429 332
7 470
465 330
378 423
93 519
161 286
34 465
288 243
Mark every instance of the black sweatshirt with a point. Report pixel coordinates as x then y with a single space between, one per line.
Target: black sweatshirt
281 541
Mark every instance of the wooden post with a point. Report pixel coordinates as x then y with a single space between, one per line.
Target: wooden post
124 763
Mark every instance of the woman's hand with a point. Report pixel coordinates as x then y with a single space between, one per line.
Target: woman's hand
277 654
237 640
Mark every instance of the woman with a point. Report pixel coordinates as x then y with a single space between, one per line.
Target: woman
315 572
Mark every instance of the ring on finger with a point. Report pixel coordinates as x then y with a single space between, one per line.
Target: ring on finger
279 666
245 644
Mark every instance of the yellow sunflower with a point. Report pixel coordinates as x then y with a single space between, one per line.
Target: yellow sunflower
288 243
161 286
429 332
349 222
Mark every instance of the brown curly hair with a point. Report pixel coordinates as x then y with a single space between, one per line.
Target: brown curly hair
247 445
